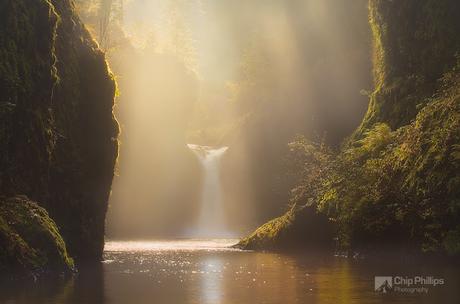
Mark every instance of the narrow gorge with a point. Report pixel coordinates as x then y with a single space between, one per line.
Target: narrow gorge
325 164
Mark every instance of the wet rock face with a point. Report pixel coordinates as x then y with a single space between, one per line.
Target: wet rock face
30 239
415 43
58 135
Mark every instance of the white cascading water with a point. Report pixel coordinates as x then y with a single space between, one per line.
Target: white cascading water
211 221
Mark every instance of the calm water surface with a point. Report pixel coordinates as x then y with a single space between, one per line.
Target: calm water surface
208 272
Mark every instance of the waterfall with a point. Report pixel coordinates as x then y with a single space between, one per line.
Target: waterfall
211 219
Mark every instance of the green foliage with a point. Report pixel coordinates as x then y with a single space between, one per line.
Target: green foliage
315 160
452 242
397 189
389 189
103 18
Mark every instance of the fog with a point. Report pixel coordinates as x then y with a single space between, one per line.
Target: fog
249 75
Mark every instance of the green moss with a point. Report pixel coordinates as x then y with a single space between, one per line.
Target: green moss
299 228
30 240
266 236
15 251
415 43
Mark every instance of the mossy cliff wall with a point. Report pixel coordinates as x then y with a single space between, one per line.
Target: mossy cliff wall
395 184
415 43
58 135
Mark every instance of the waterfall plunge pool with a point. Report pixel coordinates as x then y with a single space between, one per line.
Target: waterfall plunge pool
209 271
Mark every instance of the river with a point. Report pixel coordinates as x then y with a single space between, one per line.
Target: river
208 271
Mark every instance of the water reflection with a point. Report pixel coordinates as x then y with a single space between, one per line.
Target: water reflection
211 284
207 272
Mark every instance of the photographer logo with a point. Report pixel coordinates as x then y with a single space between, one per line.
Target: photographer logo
383 284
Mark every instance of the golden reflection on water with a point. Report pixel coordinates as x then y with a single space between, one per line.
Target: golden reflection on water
211 290
171 245
215 273
209 272
262 277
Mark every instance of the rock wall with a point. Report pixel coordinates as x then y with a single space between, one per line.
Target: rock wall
58 135
393 186
414 45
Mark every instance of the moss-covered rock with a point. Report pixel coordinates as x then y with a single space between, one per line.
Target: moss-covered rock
300 228
29 239
58 135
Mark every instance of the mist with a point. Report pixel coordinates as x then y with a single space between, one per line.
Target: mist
249 75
